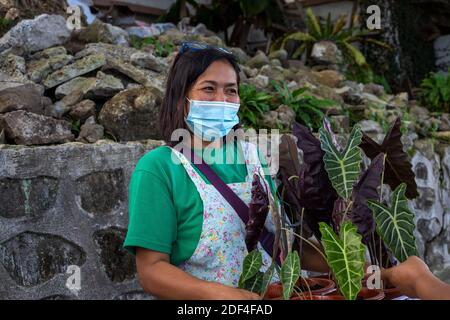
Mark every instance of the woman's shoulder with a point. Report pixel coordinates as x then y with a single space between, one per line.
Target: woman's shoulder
155 160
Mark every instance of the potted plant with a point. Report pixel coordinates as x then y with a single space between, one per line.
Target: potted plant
341 204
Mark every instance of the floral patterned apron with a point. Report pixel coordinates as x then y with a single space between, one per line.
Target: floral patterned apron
221 249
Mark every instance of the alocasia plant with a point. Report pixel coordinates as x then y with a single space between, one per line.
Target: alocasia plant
398 167
290 272
316 194
343 167
345 255
361 215
259 207
396 224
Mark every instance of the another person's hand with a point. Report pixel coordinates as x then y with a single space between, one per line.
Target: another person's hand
406 275
414 279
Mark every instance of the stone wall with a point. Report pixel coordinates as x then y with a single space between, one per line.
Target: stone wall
431 165
67 205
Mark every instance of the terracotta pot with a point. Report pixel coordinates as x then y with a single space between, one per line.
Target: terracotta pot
364 294
325 297
317 286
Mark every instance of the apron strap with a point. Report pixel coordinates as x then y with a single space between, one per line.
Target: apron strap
267 238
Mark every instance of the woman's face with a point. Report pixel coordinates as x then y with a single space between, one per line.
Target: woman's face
217 83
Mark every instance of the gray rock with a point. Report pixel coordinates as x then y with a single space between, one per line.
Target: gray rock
400 100
134 86
373 99
64 106
370 127
79 83
275 63
260 81
12 14
172 36
272 72
374 89
250 72
99 31
40 69
340 123
419 112
327 53
12 71
2 137
83 110
295 64
240 54
24 97
48 53
283 118
141 76
329 78
108 50
445 122
279 54
352 92
31 129
259 60
13 65
105 87
37 34
90 131
78 68
133 114
148 61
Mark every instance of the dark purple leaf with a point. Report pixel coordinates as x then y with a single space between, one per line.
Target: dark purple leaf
259 207
366 188
289 173
361 215
398 167
316 194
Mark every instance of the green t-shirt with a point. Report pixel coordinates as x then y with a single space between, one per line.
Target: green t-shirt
165 208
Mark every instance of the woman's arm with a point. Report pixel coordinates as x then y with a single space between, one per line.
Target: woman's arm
159 278
414 279
311 259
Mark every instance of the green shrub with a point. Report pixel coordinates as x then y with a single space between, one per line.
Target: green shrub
436 92
161 49
308 109
254 104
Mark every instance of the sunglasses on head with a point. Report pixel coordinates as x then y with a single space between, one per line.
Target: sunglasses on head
197 46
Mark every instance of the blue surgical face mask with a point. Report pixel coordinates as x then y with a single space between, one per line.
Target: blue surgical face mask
210 120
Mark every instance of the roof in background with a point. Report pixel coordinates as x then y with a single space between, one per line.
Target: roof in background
156 7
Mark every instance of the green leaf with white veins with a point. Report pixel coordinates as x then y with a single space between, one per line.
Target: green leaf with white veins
290 272
252 264
396 224
343 168
345 255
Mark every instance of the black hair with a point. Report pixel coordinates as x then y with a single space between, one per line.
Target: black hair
185 70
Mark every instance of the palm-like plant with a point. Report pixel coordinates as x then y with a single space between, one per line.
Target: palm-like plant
308 109
335 32
254 104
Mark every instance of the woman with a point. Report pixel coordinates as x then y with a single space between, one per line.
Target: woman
188 240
